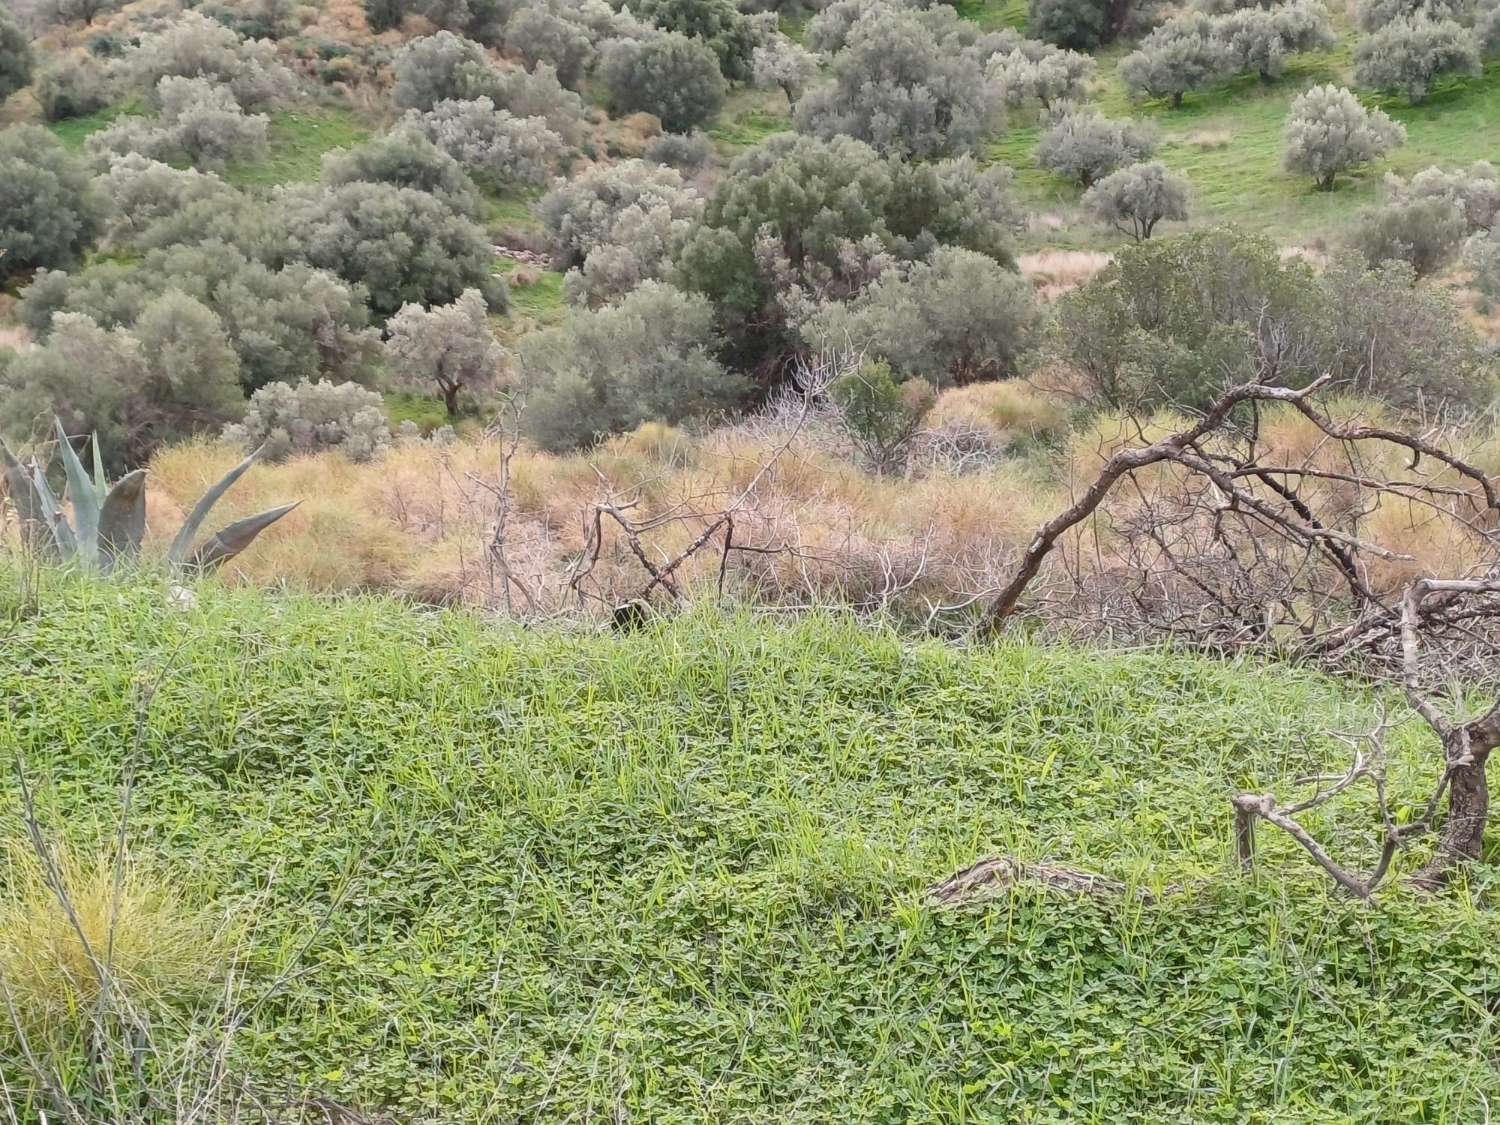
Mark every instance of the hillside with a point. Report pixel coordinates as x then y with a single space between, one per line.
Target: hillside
677 876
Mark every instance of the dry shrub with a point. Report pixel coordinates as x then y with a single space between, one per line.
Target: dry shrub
157 946
1005 411
1207 139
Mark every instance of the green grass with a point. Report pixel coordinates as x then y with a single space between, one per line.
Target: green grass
539 301
75 130
298 140
676 876
427 411
511 212
750 116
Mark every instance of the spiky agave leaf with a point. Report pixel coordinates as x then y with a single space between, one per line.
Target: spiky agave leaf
86 501
35 531
229 541
52 515
183 541
122 519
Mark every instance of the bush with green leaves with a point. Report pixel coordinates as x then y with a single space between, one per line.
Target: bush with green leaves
540 33
1175 320
1329 132
404 158
718 24
1260 39
881 416
492 145
403 246
16 62
103 525
284 324
780 64
194 46
902 89
666 74
954 318
651 357
538 93
1184 54
49 211
1135 199
1407 55
72 86
686 152
1085 146
1424 232
800 220
448 348
171 375
200 124
1039 73
285 421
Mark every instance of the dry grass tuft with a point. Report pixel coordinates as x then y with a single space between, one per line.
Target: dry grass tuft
140 935
1054 272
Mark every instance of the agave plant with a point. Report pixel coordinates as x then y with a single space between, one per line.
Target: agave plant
109 520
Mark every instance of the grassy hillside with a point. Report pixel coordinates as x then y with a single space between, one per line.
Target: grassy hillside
677 876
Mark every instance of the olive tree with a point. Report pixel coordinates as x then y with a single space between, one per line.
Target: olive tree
718 24
15 56
1482 255
1085 146
441 67
404 158
666 74
1135 199
541 34
1405 56
784 65
138 191
1372 15
1475 191
403 246
1260 39
651 356
901 88
63 12
283 420
49 212
1329 132
1083 24
72 86
1487 26
1182 55
1040 73
200 124
194 46
954 318
618 226
1424 233
448 347
493 145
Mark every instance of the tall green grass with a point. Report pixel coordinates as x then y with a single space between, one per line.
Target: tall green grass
676 876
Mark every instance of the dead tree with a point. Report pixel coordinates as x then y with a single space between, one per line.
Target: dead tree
1227 545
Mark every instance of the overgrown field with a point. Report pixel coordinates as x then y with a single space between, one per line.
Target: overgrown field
677 876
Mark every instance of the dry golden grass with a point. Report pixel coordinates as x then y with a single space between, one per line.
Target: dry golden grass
1054 272
151 943
419 521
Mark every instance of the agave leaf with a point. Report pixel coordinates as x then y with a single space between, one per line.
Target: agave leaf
52 514
189 530
85 501
122 519
24 499
230 541
101 481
